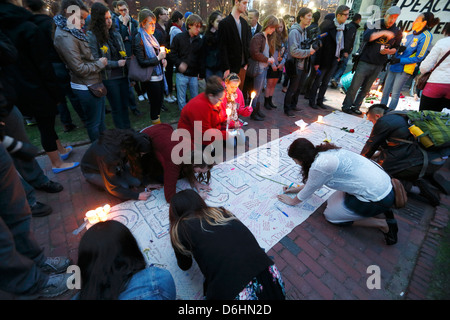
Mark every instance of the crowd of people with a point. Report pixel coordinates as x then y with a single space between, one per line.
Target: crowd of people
84 55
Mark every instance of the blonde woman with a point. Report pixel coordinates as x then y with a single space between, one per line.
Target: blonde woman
262 48
214 237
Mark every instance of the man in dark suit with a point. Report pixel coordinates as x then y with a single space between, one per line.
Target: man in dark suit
234 39
328 56
253 17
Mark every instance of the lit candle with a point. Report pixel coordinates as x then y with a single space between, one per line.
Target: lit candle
404 38
91 215
253 95
302 124
320 119
228 111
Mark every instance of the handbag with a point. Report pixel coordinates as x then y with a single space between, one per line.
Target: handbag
138 73
422 79
400 194
98 89
253 68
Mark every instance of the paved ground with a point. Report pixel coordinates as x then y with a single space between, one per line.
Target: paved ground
317 260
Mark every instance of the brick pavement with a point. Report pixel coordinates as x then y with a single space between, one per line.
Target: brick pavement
317 260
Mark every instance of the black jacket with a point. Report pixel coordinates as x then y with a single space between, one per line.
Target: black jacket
234 50
35 82
371 52
326 54
350 34
141 56
190 51
127 36
8 56
395 156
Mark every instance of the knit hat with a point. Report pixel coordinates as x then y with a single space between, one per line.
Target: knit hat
393 10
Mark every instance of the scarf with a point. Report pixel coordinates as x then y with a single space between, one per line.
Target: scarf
339 37
61 21
151 45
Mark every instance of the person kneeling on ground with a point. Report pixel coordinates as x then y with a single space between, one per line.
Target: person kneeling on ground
400 154
230 258
158 164
113 163
364 190
114 268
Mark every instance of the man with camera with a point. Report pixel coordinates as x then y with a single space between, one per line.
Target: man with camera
328 56
382 38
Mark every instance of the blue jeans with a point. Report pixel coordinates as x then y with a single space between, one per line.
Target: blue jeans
94 109
152 283
182 83
20 254
394 83
342 65
258 84
118 97
365 75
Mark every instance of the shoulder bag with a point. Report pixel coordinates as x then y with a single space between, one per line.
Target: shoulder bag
423 78
138 73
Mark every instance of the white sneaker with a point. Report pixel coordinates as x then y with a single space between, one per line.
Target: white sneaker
146 96
173 98
141 98
168 99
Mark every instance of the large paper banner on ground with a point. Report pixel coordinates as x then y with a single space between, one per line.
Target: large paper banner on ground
247 186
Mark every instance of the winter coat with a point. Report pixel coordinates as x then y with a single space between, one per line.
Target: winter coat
32 75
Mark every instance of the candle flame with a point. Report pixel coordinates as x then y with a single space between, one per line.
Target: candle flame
228 111
253 94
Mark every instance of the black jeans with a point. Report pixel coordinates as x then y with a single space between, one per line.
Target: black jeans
155 92
293 91
320 84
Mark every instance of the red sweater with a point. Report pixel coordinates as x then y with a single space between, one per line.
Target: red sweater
160 135
200 109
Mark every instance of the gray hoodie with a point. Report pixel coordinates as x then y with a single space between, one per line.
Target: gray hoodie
296 36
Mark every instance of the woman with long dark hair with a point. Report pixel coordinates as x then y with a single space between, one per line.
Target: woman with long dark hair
114 268
364 189
113 163
230 258
211 45
149 54
105 41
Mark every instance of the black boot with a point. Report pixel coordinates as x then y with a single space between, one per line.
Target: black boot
271 103
266 103
255 116
258 111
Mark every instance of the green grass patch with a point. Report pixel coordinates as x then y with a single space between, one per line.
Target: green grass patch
79 135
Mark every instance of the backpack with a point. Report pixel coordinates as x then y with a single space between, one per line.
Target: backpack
435 125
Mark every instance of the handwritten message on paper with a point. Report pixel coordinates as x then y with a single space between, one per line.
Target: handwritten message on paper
248 187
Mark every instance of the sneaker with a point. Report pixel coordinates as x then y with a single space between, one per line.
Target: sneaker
141 98
55 286
290 114
334 83
40 209
167 99
51 187
356 110
55 265
30 122
146 96
173 98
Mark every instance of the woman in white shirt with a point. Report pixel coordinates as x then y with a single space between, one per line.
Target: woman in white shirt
436 94
363 189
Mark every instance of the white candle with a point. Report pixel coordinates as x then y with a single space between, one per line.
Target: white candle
253 95
91 215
